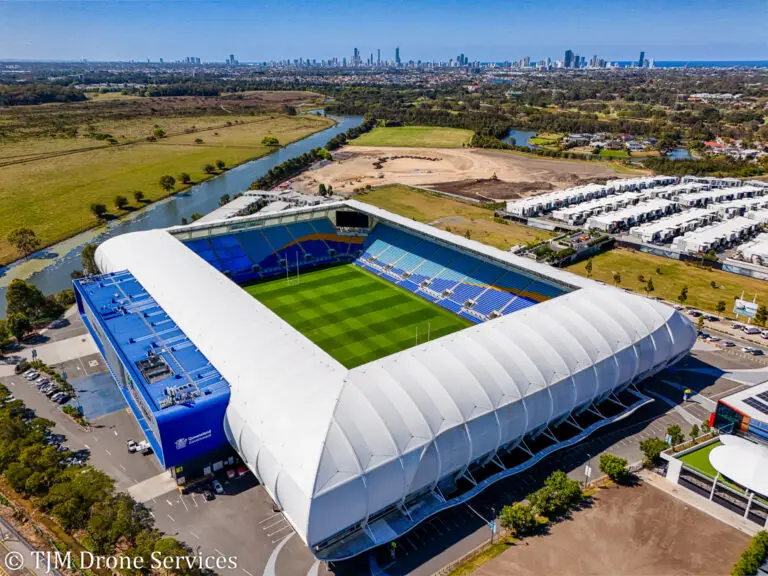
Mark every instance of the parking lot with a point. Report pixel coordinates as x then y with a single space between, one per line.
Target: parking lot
242 522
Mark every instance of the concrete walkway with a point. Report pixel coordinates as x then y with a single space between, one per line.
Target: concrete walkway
54 352
700 503
153 487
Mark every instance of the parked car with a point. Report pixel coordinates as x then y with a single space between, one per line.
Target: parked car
713 338
131 445
52 391
751 330
242 471
695 313
764 334
208 495
55 397
678 307
737 326
727 344
711 317
217 487
144 447
32 375
230 474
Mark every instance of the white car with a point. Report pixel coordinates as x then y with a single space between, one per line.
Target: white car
217 487
32 375
131 445
713 339
751 330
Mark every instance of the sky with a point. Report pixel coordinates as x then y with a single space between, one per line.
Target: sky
485 30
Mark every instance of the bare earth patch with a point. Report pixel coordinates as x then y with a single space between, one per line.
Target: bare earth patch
629 531
464 169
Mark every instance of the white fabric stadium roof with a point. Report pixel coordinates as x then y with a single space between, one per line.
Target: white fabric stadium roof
333 446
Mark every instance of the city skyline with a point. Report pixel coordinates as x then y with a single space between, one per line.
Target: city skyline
490 32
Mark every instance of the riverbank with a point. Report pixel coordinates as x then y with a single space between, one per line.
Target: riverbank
50 269
52 195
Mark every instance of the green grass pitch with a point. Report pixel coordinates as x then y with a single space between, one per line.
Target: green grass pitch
353 315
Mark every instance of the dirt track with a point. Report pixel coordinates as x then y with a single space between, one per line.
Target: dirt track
635 531
516 175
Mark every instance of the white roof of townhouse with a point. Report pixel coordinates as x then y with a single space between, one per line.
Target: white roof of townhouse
632 211
672 221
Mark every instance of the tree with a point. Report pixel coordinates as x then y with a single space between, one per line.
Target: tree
24 240
720 306
98 210
158 132
185 178
224 199
705 429
88 258
658 271
675 435
694 432
209 169
5 336
614 467
640 278
27 299
519 517
288 109
649 287
588 268
138 195
220 164
270 141
616 278
652 449
700 323
196 216
322 190
761 316
18 325
468 234
121 202
198 140
167 182
713 284
558 494
683 295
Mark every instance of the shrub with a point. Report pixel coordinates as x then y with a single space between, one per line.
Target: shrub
614 467
652 449
753 557
519 517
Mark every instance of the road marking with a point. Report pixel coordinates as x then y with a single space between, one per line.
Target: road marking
171 517
107 451
246 571
151 513
313 570
87 447
268 526
123 468
270 534
194 500
269 517
195 535
169 502
219 552
182 501
269 569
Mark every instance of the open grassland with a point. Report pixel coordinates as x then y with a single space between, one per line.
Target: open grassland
48 185
461 218
672 277
353 315
416 136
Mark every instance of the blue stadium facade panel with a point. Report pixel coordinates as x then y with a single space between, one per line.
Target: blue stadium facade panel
177 397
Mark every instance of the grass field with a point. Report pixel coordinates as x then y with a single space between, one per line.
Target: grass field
354 316
699 459
415 136
674 275
52 194
452 215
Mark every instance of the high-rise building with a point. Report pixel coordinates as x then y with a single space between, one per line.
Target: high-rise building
378 57
641 60
568 62
397 55
161 60
356 57
231 58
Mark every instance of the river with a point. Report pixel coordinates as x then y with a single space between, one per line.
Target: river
51 269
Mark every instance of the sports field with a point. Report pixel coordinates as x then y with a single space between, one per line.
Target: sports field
426 136
353 315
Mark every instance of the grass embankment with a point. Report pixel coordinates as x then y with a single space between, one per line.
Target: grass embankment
452 215
474 562
674 275
415 136
52 189
546 139
353 315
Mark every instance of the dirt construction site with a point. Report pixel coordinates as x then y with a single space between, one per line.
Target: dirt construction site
477 174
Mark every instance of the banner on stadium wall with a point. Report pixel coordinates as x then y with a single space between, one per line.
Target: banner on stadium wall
744 308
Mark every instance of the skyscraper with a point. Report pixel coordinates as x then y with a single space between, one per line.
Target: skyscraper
397 55
641 59
356 57
378 57
568 62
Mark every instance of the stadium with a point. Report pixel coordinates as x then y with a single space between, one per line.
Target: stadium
368 369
